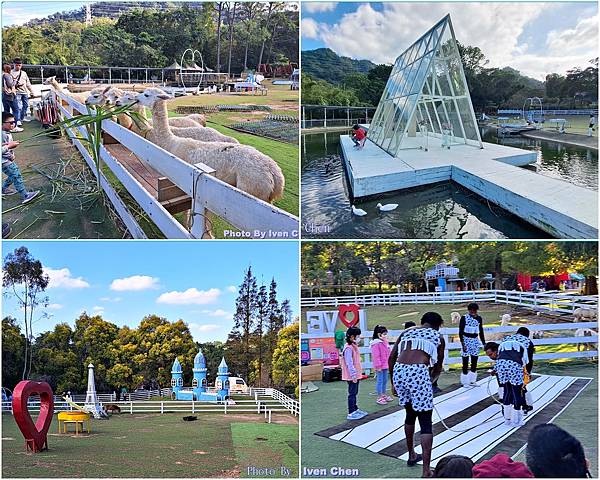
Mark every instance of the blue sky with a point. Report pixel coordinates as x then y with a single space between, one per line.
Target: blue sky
17 13
536 38
127 280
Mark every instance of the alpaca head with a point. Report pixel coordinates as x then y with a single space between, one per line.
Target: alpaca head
152 95
113 94
50 80
126 98
97 96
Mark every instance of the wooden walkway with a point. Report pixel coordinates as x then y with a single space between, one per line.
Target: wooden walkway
557 207
567 138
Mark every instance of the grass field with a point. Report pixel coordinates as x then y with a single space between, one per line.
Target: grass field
159 446
575 124
327 407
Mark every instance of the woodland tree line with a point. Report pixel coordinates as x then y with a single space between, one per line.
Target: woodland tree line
383 266
490 88
232 36
143 356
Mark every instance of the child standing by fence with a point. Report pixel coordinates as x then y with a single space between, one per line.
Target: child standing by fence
380 352
352 372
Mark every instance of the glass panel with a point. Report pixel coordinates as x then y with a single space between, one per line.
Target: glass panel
454 121
471 128
431 110
403 123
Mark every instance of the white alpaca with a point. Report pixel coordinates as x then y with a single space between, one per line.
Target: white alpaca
81 97
197 132
585 332
584 314
505 320
455 317
239 165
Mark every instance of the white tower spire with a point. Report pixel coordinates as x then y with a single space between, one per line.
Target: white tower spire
91 398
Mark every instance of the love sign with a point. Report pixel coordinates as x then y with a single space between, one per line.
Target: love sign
36 435
326 322
343 310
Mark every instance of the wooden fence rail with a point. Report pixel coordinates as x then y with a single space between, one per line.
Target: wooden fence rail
207 193
551 302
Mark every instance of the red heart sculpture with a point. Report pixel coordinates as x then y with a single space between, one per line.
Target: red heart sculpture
344 309
36 436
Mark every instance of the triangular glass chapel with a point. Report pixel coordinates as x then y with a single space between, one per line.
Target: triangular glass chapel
426 95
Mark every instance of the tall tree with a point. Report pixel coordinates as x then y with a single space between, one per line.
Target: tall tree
285 358
24 276
231 23
265 33
13 350
244 317
262 316
220 14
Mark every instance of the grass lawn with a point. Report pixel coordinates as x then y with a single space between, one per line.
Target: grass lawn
576 124
327 407
394 316
160 446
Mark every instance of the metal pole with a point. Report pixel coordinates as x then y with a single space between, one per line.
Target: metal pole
42 73
146 75
109 75
129 75
348 115
325 123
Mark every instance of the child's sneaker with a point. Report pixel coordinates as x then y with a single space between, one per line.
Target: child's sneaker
381 401
355 415
16 130
30 196
363 413
389 398
9 191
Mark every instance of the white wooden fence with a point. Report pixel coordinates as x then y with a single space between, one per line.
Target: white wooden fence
261 404
244 212
550 302
495 333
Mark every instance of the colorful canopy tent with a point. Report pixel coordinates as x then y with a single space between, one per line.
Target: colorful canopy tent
426 95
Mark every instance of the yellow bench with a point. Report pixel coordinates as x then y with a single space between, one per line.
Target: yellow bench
77 418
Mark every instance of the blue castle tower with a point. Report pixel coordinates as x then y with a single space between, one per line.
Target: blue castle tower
222 383
200 390
176 377
199 384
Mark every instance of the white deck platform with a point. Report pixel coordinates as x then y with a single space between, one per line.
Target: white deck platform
557 207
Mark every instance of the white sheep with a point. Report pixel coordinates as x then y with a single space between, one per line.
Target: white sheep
239 165
584 314
455 317
197 132
586 332
538 334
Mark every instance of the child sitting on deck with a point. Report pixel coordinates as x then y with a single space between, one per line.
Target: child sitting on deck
9 167
359 136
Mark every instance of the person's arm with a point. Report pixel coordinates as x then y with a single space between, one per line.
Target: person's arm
530 352
28 85
350 363
481 333
392 362
437 368
461 330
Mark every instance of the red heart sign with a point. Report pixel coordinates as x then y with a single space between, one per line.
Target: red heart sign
344 309
35 435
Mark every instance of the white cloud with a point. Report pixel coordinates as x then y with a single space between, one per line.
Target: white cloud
111 299
54 306
575 41
134 283
219 312
232 288
98 308
206 328
314 7
386 33
61 278
15 16
309 28
192 296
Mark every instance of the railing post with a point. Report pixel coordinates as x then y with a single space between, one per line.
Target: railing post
130 405
193 406
258 405
225 407
162 407
269 416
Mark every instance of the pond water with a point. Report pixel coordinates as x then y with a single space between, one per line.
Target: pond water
443 210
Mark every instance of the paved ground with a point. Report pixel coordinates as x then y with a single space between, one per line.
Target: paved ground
569 138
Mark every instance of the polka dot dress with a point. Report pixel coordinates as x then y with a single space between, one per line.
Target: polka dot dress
509 372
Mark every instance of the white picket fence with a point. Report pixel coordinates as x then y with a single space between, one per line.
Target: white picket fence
261 404
147 394
449 361
549 302
244 212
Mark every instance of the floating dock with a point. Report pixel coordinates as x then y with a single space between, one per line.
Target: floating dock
559 208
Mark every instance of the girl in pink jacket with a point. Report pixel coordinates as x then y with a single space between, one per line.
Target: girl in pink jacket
380 352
